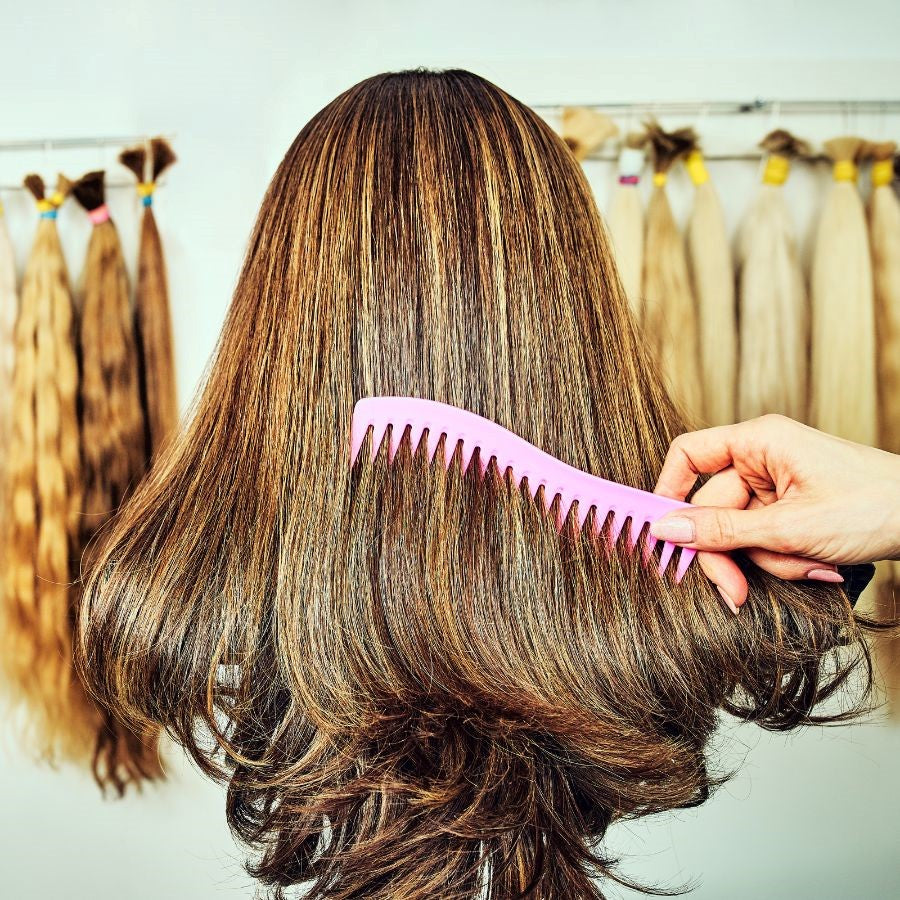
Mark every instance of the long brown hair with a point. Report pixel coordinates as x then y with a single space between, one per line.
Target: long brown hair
415 686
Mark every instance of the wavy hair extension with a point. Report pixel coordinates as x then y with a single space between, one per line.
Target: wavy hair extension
626 221
9 308
670 317
584 130
712 278
113 437
844 398
773 374
415 686
153 319
45 490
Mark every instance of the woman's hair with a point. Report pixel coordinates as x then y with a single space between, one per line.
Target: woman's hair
774 307
152 318
844 397
712 278
37 557
414 685
113 440
670 308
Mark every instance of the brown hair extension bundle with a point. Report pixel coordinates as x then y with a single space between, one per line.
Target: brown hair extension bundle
44 483
113 440
153 321
626 221
416 685
844 399
773 303
9 307
884 238
585 129
712 277
670 309
112 421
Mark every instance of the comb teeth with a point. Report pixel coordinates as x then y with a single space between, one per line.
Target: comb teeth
526 461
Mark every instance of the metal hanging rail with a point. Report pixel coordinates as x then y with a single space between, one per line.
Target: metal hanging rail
77 143
735 107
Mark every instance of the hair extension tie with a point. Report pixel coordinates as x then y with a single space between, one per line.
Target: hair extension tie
145 190
99 215
845 170
777 169
629 179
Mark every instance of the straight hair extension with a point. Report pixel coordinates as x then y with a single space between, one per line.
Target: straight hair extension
884 238
712 278
773 375
414 685
670 310
153 319
844 397
626 221
45 491
9 307
585 129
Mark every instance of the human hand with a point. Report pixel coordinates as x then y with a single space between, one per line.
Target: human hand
796 500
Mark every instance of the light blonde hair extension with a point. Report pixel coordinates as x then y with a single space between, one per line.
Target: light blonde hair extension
712 277
844 396
670 319
626 221
585 129
773 375
153 318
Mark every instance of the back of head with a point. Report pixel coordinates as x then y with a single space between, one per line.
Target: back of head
418 687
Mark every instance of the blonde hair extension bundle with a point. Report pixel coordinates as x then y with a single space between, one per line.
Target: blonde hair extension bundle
844 395
153 321
626 221
45 499
113 441
585 129
884 239
9 307
772 298
712 275
670 310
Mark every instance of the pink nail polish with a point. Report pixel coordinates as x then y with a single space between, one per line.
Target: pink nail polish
828 575
730 603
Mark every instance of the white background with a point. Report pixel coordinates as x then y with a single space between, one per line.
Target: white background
815 815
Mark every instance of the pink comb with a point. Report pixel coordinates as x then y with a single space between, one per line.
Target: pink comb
525 460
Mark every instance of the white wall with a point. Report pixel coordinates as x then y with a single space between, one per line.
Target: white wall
814 815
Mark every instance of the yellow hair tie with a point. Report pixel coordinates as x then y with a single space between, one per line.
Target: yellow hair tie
776 171
882 172
57 198
659 179
45 205
844 170
146 188
696 167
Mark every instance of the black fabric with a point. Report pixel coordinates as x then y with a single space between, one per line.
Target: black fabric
856 578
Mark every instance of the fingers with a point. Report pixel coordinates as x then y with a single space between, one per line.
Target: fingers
690 454
794 568
720 529
725 574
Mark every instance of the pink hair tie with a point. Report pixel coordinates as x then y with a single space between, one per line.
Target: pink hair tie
99 215
629 179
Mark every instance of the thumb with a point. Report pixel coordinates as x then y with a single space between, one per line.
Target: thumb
720 528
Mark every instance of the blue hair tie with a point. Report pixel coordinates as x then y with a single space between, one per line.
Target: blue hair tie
148 200
48 214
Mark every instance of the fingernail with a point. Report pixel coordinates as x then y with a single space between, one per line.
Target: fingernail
825 575
678 530
731 604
